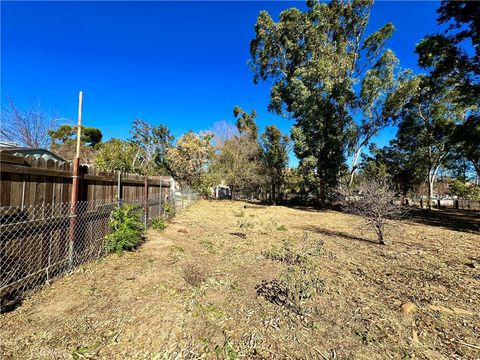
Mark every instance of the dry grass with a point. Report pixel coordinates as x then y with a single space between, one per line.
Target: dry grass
191 290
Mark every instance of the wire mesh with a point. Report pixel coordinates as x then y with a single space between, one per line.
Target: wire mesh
41 242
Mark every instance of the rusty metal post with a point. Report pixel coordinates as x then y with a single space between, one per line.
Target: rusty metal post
73 208
146 201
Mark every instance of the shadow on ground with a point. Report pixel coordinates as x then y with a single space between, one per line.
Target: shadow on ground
453 219
322 231
459 220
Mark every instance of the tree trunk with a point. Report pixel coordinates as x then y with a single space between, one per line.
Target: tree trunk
430 190
380 233
431 181
354 165
323 193
381 239
272 194
279 193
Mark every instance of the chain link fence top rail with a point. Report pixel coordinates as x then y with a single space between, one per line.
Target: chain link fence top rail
39 243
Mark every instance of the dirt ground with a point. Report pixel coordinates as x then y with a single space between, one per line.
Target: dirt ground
269 282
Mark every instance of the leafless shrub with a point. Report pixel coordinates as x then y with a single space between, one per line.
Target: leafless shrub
375 201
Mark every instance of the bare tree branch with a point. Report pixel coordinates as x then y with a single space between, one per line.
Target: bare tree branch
27 127
375 201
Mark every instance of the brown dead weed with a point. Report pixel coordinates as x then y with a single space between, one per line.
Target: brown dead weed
329 291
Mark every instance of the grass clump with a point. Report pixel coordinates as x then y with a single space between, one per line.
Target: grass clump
126 228
176 252
209 246
296 284
209 309
312 247
299 281
245 224
159 224
281 228
285 254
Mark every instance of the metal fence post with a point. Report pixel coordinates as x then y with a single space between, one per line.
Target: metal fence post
183 195
160 209
73 208
119 188
145 207
172 193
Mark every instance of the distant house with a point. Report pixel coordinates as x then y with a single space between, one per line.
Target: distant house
37 153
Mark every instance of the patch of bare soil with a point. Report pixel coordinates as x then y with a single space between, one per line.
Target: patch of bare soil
225 281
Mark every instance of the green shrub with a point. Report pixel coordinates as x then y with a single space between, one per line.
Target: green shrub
302 281
286 254
126 228
159 224
169 210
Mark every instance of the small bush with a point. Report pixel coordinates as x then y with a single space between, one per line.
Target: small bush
297 284
312 247
159 224
169 210
282 228
284 254
126 228
302 281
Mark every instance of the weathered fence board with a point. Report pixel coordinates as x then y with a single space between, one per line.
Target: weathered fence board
28 181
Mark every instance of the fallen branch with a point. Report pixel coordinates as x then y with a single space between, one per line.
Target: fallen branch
468 345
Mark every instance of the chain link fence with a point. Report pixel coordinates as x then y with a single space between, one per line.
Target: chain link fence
39 243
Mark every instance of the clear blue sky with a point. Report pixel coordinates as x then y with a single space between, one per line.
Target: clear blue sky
183 64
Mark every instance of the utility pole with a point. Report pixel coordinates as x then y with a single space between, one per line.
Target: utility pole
75 182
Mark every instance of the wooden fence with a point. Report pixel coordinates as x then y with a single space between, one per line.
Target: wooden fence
40 236
27 181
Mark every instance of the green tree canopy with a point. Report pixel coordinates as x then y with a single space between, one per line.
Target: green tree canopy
275 154
450 59
246 122
190 157
116 155
428 124
64 138
152 143
314 59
